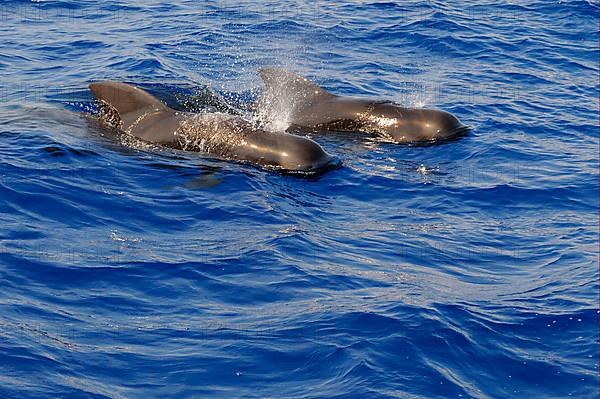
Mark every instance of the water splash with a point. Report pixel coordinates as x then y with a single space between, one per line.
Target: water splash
211 133
274 110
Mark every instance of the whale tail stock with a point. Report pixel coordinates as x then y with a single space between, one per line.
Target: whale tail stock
121 104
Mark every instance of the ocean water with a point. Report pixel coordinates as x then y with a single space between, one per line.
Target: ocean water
465 269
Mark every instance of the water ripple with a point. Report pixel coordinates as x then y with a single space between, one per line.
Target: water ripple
466 269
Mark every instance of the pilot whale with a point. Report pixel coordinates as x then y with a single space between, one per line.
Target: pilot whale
310 106
138 113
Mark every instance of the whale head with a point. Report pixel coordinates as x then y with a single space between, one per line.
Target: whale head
301 154
415 125
286 152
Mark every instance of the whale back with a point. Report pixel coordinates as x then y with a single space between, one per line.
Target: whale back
126 104
303 102
136 112
278 82
287 97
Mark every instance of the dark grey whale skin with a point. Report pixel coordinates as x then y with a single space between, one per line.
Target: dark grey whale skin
315 108
138 113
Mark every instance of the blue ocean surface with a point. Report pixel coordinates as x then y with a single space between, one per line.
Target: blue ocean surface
467 269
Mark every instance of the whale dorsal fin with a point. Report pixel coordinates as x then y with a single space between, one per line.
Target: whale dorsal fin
278 81
129 102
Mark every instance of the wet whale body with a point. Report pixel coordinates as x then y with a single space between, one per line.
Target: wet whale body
138 113
310 106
